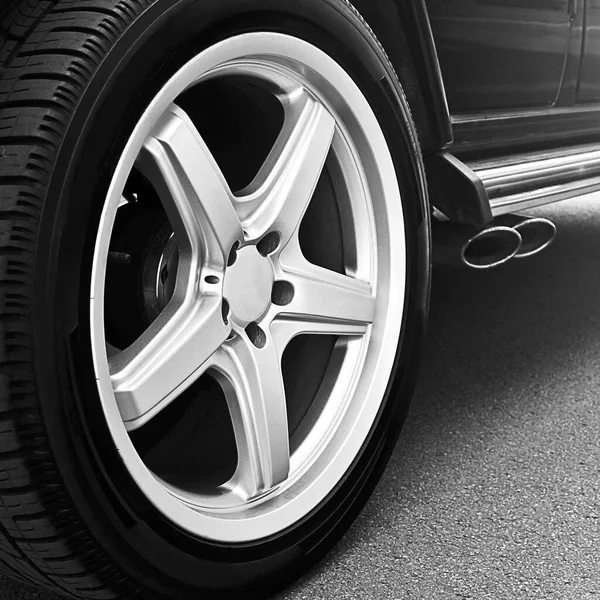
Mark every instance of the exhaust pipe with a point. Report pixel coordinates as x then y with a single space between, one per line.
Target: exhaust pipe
474 246
537 233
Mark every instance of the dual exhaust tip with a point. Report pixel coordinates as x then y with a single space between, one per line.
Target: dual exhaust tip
508 237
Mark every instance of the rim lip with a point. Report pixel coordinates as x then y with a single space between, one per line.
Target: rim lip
379 347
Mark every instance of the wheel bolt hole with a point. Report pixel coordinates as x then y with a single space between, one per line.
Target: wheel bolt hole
119 257
164 274
282 293
212 279
225 311
256 335
233 254
269 243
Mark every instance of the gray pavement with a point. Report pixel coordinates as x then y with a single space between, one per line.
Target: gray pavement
493 491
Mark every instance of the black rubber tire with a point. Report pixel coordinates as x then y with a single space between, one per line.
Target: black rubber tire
74 75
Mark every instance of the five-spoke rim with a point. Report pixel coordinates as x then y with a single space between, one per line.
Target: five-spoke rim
234 317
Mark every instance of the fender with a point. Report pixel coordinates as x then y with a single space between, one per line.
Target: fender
404 30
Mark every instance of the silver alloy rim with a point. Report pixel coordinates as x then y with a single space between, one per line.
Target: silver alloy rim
326 118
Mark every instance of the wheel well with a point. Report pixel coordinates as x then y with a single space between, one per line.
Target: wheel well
404 30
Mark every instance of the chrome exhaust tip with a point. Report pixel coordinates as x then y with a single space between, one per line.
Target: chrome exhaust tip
537 233
491 247
474 247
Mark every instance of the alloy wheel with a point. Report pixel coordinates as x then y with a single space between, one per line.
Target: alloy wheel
224 286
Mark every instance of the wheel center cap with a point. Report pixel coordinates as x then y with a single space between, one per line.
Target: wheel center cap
248 286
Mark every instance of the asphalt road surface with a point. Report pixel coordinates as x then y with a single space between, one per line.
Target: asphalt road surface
493 491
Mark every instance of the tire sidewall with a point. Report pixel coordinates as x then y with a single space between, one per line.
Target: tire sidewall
149 548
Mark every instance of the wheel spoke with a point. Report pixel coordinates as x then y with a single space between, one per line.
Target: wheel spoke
279 195
253 385
167 358
191 187
324 302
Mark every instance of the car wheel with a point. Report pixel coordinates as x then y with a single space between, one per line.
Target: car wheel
214 274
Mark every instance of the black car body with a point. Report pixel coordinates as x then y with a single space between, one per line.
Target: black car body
495 83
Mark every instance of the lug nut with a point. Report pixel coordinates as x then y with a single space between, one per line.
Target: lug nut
269 243
119 257
282 293
164 274
225 311
233 254
256 335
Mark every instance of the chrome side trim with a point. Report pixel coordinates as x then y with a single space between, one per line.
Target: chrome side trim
531 180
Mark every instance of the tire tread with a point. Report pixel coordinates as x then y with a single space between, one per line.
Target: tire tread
48 51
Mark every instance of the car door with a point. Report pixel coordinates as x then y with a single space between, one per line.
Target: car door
589 83
502 54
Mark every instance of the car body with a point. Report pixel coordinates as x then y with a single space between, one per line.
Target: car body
507 87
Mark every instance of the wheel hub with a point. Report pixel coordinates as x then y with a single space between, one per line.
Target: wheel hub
248 286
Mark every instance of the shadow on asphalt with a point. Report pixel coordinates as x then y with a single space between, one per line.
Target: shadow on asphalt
491 332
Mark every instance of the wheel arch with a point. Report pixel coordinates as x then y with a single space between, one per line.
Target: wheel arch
405 32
